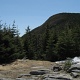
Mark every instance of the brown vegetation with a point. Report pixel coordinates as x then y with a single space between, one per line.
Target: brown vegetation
18 67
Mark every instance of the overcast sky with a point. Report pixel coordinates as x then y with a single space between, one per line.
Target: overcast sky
34 12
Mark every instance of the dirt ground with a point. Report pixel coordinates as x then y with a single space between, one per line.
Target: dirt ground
18 67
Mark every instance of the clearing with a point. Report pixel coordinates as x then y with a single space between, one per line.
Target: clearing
18 67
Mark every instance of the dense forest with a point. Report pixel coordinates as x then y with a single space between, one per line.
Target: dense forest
56 39
10 43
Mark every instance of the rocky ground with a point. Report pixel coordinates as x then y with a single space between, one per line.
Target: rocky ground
36 70
19 67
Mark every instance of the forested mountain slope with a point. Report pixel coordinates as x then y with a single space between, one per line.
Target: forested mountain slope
61 20
56 39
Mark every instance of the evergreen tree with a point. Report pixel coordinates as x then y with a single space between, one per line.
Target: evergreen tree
27 44
45 41
10 44
50 49
65 45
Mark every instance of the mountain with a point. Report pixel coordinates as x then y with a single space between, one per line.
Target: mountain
56 39
61 19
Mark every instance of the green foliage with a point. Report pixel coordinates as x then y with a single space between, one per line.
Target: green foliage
67 64
10 44
57 39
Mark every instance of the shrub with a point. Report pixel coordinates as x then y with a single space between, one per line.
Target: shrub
67 64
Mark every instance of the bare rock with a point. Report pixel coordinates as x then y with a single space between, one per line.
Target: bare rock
39 72
23 79
74 67
58 77
57 68
74 74
24 75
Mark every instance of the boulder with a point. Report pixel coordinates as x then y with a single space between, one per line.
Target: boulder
22 75
39 72
74 74
57 68
74 70
74 67
76 60
57 77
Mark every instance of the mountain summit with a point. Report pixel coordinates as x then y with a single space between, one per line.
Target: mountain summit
61 19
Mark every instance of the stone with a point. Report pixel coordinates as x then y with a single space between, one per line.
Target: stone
57 77
74 74
50 79
37 67
20 79
23 79
57 68
39 72
75 70
76 60
74 67
6 79
22 75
